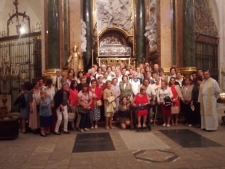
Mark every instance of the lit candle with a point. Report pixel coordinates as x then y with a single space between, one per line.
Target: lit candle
23 76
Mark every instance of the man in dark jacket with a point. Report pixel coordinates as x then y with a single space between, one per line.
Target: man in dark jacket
61 101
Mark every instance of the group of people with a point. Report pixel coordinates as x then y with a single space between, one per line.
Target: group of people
128 92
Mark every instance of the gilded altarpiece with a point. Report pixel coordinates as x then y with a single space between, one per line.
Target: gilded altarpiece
113 31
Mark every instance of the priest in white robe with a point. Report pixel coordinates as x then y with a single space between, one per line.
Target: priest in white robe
208 94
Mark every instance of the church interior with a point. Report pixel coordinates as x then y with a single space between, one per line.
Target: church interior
40 37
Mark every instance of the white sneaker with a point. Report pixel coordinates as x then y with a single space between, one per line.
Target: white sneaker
92 127
167 125
190 125
164 125
86 129
144 125
96 126
81 130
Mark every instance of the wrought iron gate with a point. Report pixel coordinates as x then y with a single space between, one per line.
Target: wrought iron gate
24 50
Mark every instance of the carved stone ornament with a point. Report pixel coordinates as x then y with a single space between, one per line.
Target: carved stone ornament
83 45
114 13
112 47
204 22
151 26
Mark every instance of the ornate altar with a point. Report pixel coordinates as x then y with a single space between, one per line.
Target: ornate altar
114 32
112 52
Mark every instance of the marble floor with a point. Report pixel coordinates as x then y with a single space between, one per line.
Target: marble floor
133 150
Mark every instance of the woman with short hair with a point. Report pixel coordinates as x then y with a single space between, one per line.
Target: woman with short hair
96 97
46 105
175 109
109 104
125 88
141 102
61 105
164 92
85 101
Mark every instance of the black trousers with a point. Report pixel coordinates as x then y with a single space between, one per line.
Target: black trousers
197 115
188 113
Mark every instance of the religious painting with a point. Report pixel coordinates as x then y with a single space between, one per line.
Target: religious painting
114 13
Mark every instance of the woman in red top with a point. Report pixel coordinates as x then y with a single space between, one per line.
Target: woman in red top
140 100
96 95
73 100
175 109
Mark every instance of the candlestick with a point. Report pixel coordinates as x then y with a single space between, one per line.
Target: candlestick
23 76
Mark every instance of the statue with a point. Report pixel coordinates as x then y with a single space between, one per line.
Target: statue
83 36
114 13
151 32
75 60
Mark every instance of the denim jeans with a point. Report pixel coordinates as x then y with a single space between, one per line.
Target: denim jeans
85 118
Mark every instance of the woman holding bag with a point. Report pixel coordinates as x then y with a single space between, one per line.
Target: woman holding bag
84 100
175 108
96 103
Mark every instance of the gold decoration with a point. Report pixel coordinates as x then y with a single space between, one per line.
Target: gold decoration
204 22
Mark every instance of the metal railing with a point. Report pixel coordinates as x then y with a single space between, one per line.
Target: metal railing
25 51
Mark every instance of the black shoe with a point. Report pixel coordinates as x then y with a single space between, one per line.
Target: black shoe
56 133
66 132
43 135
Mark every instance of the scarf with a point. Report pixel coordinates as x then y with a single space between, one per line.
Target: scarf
209 97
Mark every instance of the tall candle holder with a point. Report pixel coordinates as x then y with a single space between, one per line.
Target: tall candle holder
8 71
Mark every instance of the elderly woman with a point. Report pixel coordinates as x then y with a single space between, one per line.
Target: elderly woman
163 92
99 73
61 101
124 113
140 102
45 113
85 101
125 87
96 97
116 89
109 104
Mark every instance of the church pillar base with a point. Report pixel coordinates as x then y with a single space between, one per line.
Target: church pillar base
187 70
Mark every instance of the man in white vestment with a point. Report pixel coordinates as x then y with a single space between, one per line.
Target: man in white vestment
208 94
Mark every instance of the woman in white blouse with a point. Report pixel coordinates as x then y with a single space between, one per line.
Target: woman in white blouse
166 110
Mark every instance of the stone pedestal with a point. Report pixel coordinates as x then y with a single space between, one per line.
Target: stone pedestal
9 128
166 35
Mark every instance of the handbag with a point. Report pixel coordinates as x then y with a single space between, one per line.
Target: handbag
99 103
82 110
71 116
174 110
167 101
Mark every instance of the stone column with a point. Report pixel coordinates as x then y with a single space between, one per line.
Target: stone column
87 17
189 33
179 32
166 46
140 31
53 35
